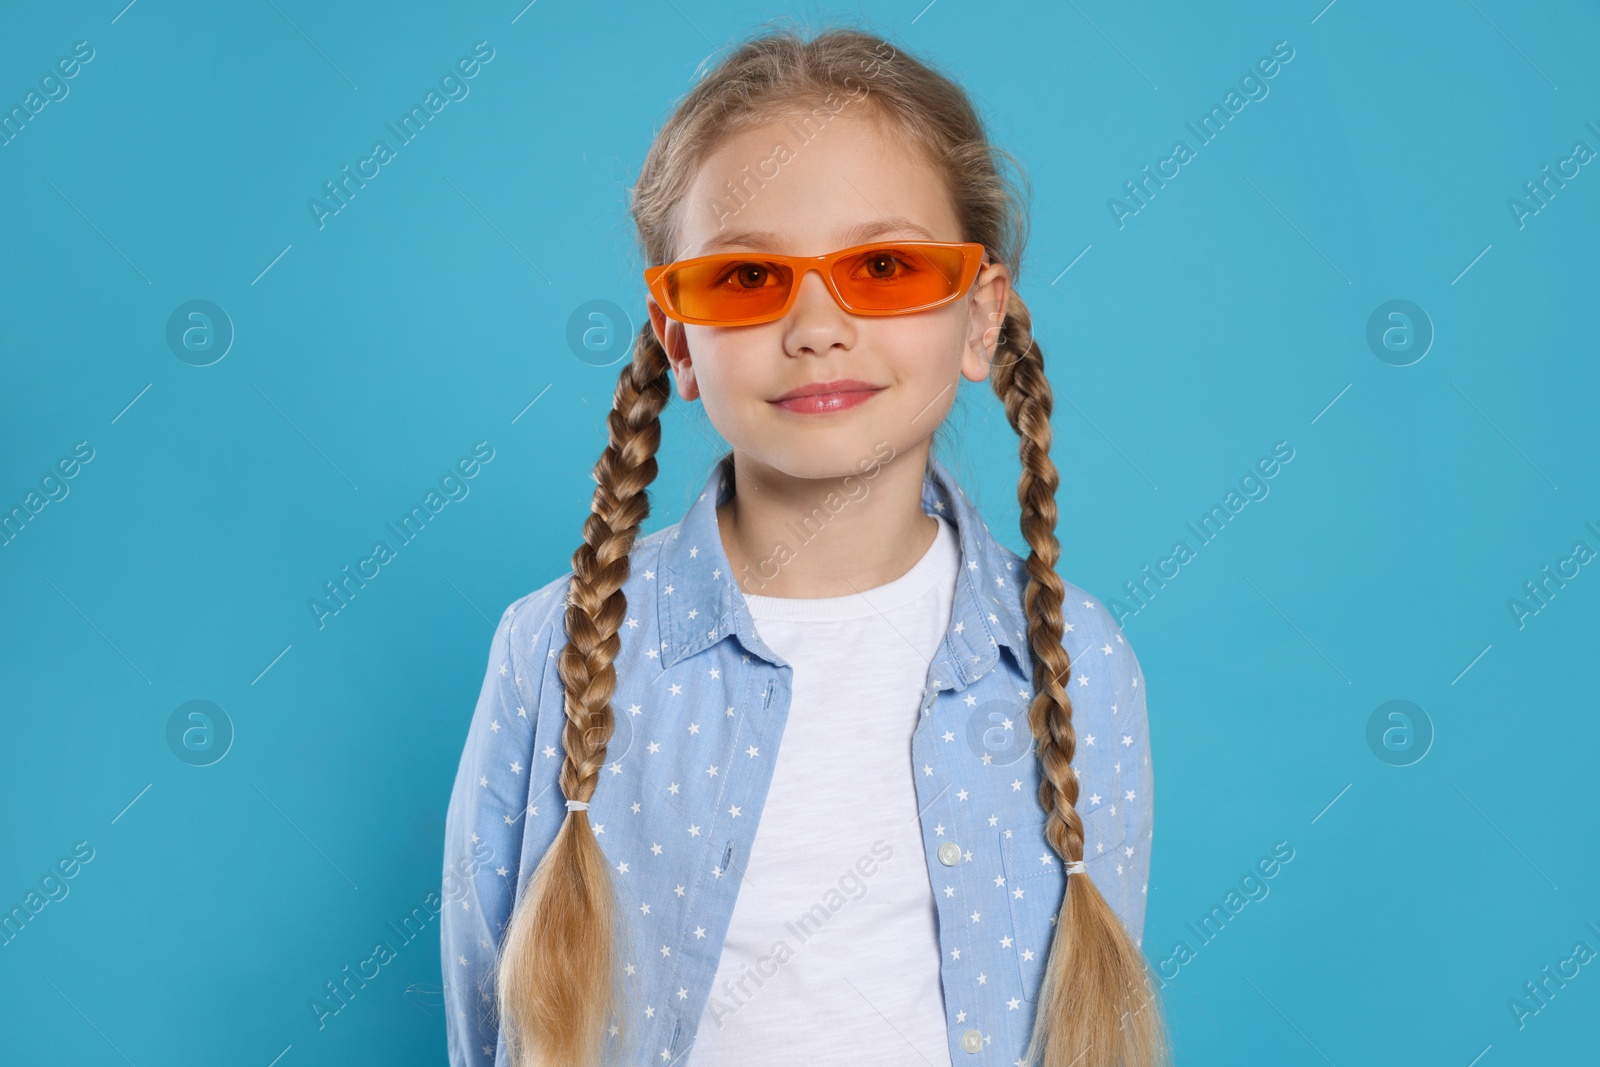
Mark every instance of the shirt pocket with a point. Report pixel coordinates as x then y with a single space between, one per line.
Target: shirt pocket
1023 857
1033 897
1101 805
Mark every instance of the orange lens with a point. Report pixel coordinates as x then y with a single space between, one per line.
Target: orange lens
729 287
898 277
881 279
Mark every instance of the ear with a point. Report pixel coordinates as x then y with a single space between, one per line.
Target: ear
990 293
673 339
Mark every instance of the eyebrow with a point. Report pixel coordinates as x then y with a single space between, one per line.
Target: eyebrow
860 233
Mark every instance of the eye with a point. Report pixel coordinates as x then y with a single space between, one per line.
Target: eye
882 265
746 274
886 264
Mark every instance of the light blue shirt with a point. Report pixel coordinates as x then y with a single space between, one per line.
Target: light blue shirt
700 706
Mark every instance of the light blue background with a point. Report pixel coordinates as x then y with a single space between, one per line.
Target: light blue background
1229 314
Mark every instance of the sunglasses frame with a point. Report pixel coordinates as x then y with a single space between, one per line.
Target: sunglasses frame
973 257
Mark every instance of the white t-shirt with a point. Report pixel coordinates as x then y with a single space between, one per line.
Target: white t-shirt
832 952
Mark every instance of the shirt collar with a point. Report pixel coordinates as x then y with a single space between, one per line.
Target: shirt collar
699 602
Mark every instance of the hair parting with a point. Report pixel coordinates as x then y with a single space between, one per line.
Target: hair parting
558 980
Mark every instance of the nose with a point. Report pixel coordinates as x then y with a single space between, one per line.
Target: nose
816 323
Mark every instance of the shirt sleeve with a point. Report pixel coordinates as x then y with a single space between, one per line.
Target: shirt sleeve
484 825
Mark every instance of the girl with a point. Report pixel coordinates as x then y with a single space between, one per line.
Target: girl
757 787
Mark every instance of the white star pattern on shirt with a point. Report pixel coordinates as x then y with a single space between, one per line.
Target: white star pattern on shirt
672 668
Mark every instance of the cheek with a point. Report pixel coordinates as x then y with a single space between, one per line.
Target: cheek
728 371
927 347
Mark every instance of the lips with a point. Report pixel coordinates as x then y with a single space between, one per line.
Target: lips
823 397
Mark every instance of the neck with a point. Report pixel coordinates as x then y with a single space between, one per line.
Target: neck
825 537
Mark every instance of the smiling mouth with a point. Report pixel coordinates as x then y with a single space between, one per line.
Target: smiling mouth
828 402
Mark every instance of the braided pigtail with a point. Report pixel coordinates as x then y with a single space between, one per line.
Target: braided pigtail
558 983
1097 1003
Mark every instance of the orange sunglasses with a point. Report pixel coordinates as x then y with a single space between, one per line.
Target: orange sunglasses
883 278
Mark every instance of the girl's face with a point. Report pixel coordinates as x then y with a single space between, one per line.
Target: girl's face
848 185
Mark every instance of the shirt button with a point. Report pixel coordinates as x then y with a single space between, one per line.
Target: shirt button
949 853
972 1041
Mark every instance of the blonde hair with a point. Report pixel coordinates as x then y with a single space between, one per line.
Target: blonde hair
558 988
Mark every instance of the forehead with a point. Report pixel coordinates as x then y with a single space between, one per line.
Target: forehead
806 186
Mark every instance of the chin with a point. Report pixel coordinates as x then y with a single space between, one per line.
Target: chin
825 455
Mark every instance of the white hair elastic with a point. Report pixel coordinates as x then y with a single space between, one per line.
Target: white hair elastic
1077 867
577 805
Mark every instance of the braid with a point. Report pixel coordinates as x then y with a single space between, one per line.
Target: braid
1097 1006
1023 388
595 601
557 981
